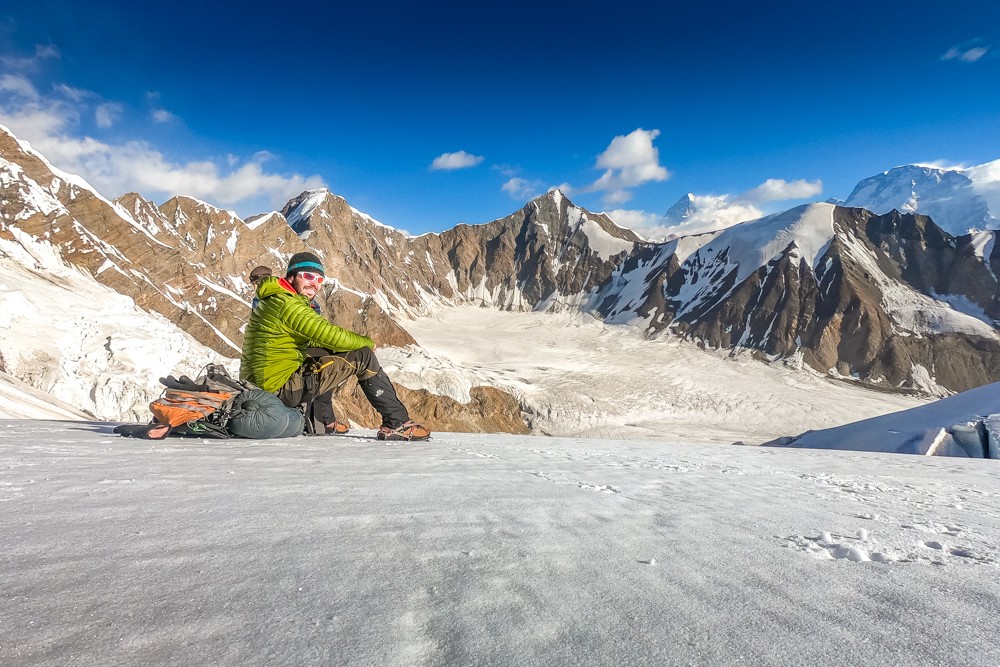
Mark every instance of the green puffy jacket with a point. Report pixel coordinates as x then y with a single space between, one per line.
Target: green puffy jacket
281 327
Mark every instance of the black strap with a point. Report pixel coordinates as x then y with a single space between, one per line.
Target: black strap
310 386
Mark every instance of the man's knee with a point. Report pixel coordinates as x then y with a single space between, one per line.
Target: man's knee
365 361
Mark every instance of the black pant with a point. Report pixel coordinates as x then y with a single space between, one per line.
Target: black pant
323 403
335 369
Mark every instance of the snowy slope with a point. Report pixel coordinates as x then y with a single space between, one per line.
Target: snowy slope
19 400
86 345
957 199
746 247
946 427
489 550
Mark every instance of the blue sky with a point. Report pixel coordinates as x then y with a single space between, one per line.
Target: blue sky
425 115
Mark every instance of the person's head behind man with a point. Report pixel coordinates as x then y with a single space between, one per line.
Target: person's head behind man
259 274
305 274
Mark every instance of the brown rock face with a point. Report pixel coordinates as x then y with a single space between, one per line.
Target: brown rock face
864 311
489 411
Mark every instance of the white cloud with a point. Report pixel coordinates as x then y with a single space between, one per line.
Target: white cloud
107 114
617 197
968 52
73 94
506 169
162 116
458 160
637 221
137 166
635 157
705 213
778 189
18 85
946 165
522 188
51 125
42 52
629 161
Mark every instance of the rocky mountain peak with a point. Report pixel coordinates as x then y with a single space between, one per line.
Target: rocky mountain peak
312 209
680 211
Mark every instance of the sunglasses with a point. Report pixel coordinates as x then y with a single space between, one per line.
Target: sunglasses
311 277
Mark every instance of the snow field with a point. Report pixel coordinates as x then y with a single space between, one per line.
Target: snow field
83 343
576 376
488 549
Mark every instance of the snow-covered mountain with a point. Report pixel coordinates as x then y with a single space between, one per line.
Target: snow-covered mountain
960 200
890 300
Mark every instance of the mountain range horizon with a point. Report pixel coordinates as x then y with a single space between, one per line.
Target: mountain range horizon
890 300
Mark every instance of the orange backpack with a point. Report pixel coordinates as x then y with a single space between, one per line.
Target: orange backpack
180 406
199 407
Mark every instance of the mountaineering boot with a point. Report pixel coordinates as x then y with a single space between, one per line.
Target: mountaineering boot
152 431
408 430
337 428
396 424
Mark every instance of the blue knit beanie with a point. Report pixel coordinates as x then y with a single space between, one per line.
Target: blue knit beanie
304 261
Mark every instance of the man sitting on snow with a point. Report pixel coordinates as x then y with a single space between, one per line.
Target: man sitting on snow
322 403
284 325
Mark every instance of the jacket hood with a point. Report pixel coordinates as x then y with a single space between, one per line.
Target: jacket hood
271 286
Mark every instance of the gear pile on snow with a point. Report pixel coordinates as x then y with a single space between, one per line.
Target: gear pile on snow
216 406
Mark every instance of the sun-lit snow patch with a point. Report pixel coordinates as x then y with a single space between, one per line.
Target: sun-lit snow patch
982 245
222 290
623 553
108 264
501 296
263 220
305 209
958 199
45 200
557 198
19 400
234 236
631 287
922 379
753 244
684 246
372 221
36 198
743 249
416 368
601 242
